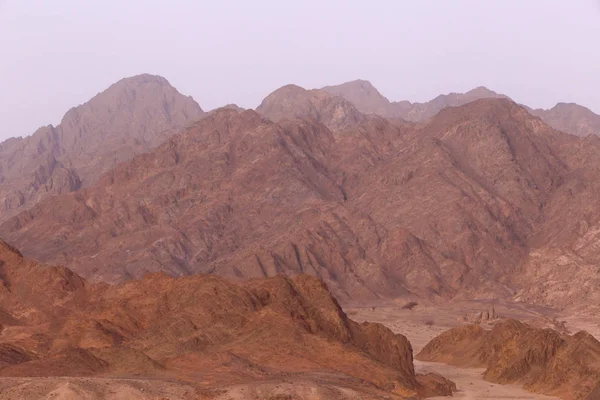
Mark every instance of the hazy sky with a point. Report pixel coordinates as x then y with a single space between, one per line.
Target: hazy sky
56 54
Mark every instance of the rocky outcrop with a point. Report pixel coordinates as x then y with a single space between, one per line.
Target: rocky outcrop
543 360
482 317
198 326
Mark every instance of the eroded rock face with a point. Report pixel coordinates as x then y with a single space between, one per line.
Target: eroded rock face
60 325
543 360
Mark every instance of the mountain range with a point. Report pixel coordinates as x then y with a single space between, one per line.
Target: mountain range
459 206
226 237
567 117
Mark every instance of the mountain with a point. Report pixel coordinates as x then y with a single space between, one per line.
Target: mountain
232 106
454 208
292 101
369 100
571 118
130 117
543 360
365 97
419 112
202 330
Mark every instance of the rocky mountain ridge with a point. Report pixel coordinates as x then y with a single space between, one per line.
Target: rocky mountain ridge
567 117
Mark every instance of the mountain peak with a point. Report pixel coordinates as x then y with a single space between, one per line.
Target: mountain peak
362 84
289 89
565 105
482 91
483 107
571 118
365 97
131 116
143 79
292 102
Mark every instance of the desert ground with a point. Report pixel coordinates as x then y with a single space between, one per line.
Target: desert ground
93 388
309 386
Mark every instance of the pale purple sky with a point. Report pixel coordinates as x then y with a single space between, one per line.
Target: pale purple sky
57 54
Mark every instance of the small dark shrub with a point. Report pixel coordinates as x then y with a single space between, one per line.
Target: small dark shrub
410 305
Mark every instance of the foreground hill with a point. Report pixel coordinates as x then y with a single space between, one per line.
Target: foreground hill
202 330
130 117
570 118
542 360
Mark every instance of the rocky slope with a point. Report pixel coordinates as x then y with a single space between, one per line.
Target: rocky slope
202 330
130 117
542 360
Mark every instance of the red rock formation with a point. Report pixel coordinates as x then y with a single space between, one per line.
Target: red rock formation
201 329
541 359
